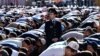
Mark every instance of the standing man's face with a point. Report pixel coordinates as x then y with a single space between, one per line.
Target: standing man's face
52 15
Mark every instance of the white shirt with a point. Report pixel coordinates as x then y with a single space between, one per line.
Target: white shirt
54 51
14 53
12 41
58 43
75 34
33 32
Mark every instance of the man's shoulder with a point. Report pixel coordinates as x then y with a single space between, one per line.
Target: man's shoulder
57 47
58 43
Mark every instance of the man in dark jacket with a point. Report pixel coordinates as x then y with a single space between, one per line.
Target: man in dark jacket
52 27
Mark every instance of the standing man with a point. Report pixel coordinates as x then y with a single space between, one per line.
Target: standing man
52 27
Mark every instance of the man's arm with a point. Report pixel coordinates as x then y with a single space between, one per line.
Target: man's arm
48 52
42 26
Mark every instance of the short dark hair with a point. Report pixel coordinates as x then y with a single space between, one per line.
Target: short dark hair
27 41
72 39
23 49
9 50
13 34
32 40
52 10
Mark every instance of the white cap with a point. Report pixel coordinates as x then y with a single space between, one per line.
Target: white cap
74 45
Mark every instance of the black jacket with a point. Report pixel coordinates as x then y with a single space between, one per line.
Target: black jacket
53 30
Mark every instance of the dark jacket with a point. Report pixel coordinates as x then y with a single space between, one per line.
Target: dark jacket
52 31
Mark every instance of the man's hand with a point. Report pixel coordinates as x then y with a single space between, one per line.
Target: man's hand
55 39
